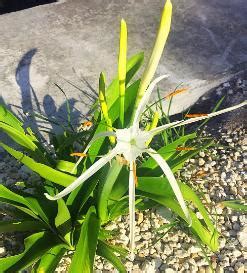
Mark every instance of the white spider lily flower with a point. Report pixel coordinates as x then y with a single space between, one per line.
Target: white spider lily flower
131 143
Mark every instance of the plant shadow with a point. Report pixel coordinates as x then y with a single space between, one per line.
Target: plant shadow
66 114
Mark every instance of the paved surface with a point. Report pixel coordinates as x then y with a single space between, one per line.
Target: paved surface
39 46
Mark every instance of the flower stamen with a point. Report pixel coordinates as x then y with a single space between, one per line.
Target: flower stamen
135 176
195 115
185 148
78 154
178 91
86 125
121 160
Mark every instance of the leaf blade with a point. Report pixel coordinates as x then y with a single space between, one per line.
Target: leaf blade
83 258
43 170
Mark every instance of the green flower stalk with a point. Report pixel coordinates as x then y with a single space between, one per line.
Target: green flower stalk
158 48
103 105
122 62
153 125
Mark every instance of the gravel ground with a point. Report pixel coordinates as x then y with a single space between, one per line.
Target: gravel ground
221 178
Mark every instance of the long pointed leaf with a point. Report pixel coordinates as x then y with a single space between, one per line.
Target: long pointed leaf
50 260
83 258
159 190
35 246
107 252
8 117
63 220
44 171
106 182
11 198
19 137
14 225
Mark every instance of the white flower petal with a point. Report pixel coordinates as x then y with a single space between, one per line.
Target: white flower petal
131 143
172 180
142 104
103 134
191 120
132 208
84 176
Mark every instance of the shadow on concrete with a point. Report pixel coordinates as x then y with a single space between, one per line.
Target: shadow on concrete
65 114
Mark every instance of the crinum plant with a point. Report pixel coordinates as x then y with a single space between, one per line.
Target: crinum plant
98 187
131 143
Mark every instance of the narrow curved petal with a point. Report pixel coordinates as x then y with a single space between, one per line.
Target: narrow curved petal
103 134
191 120
142 104
82 178
132 208
172 180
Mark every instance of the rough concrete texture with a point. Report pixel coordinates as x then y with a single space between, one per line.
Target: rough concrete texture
39 46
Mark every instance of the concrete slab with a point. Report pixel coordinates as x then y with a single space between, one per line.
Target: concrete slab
39 46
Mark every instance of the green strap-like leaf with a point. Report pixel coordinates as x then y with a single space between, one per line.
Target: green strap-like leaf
40 206
238 205
11 198
78 197
26 225
106 182
106 251
63 220
19 137
49 261
167 151
9 118
66 166
83 258
159 190
43 170
35 246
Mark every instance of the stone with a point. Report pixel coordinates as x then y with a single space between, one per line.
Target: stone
219 269
147 235
236 253
222 242
124 239
241 269
2 251
169 270
201 154
201 161
223 175
157 263
148 267
129 265
201 270
236 226
139 218
181 253
152 251
208 269
111 226
242 237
